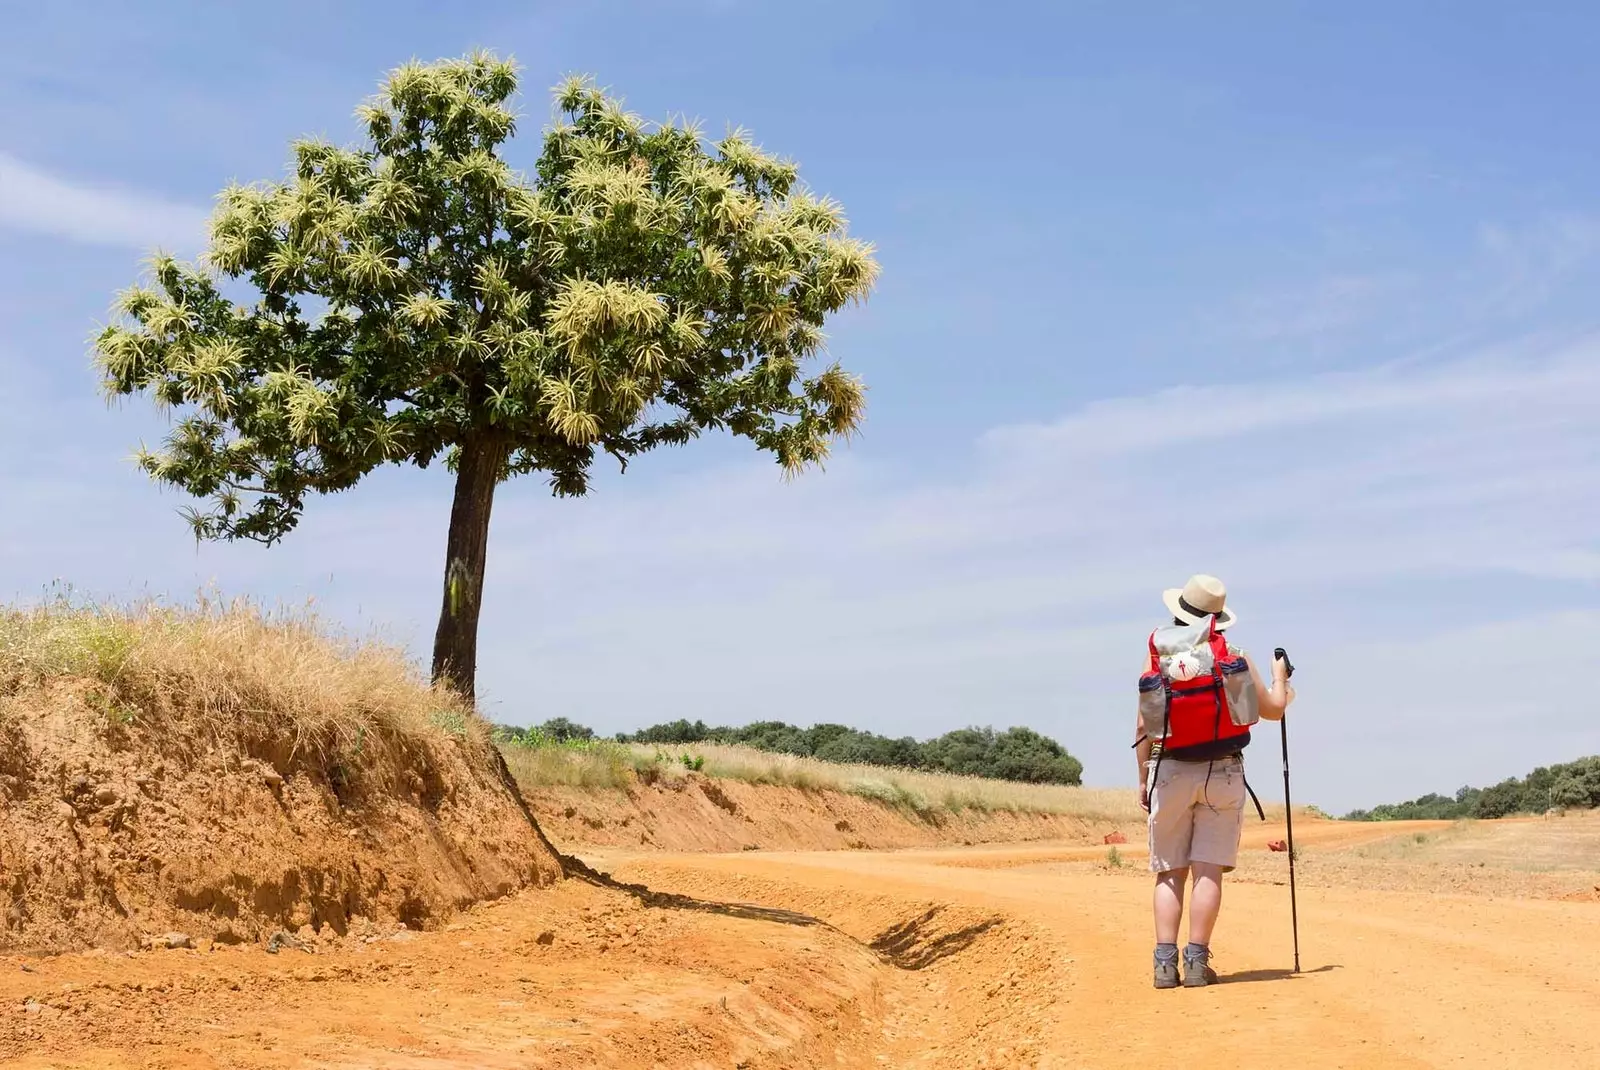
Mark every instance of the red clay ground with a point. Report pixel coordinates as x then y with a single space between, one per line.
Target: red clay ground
957 958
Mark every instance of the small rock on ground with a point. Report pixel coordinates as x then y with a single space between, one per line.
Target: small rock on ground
280 941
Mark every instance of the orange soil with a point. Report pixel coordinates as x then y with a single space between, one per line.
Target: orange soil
931 958
111 834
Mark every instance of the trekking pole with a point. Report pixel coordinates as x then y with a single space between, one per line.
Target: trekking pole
1288 813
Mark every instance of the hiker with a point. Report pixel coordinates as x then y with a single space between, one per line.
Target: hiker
1198 696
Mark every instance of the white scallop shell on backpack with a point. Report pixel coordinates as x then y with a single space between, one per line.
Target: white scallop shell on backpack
1182 667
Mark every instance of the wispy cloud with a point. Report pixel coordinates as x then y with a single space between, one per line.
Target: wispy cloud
35 200
1527 264
1317 309
1504 279
1221 412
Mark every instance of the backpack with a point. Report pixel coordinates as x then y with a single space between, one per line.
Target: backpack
1195 691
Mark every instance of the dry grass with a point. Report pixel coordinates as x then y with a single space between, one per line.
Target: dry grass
600 764
1511 857
1534 845
615 765
234 672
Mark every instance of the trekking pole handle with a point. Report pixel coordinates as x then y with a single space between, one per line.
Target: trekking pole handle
1288 666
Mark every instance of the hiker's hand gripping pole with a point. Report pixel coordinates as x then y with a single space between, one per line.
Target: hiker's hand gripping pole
1288 810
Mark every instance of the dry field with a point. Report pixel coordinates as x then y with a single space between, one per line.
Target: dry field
1523 844
1523 857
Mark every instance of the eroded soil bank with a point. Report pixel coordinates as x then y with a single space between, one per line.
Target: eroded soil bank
114 831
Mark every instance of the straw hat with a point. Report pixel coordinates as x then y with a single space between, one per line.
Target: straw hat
1202 597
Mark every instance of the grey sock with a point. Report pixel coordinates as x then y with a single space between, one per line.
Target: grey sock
1167 953
1195 951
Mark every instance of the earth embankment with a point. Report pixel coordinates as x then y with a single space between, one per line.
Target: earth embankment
229 778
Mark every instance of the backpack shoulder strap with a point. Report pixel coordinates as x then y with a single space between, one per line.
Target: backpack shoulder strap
1155 659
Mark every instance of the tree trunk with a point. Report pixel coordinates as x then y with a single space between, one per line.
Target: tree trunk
455 644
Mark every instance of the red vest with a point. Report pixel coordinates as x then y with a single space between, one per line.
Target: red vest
1197 709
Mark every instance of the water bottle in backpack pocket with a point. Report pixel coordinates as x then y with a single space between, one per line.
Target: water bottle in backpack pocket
1239 685
1153 704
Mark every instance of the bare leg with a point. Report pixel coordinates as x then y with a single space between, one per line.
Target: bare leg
1206 904
1169 905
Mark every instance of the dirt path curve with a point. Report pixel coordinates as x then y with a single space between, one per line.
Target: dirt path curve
1390 979
1030 957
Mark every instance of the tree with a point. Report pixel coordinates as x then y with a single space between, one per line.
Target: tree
563 730
1025 755
1498 801
679 731
414 299
1015 754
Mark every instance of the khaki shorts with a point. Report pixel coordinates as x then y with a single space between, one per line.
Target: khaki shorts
1196 814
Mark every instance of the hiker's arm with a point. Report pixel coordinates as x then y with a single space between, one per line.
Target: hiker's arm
1272 701
1141 751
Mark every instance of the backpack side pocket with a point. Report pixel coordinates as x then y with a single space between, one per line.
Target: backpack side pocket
1243 703
1153 704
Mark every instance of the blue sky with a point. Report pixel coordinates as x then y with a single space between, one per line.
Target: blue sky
1297 294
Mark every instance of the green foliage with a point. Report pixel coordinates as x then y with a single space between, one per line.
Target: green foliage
1575 784
1114 859
66 638
452 722
414 290
116 712
893 794
1017 754
560 729
558 732
413 298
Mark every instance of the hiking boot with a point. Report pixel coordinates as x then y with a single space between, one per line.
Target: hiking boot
1167 970
1197 971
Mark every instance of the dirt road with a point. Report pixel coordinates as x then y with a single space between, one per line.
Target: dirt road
1024 956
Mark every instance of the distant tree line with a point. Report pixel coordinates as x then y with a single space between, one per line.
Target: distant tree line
558 730
1018 754
1575 785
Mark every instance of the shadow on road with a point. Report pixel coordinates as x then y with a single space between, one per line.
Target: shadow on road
1246 976
577 869
912 945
